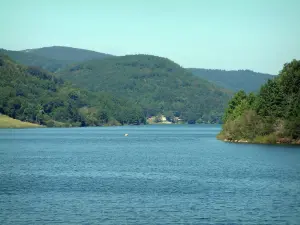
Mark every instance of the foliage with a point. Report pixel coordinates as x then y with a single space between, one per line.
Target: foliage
234 80
52 58
31 59
157 84
34 95
236 106
67 53
273 115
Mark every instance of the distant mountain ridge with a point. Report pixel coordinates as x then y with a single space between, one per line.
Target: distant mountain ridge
53 58
234 80
67 53
56 58
31 59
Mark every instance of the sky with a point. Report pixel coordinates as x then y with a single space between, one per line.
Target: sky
259 35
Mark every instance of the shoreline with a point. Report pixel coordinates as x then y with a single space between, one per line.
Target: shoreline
7 122
281 141
32 125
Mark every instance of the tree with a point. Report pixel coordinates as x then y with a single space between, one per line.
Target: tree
273 115
233 103
34 95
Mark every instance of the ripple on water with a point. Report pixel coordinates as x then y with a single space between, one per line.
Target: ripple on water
156 175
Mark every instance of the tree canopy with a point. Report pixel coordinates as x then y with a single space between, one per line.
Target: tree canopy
34 95
68 54
53 58
157 84
154 85
271 115
234 80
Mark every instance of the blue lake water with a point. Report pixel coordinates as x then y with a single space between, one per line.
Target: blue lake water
157 175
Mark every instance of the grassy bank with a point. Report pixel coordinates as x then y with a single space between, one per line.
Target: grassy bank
8 122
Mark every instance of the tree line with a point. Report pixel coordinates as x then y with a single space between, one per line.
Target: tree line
272 115
157 84
35 95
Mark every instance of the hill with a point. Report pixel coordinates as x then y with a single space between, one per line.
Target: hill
234 80
271 116
157 84
31 59
7 122
34 95
67 53
52 58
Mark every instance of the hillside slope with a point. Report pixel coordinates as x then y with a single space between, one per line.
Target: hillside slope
234 80
271 116
52 58
7 122
67 53
157 84
31 59
33 95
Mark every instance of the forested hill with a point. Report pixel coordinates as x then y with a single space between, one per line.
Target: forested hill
271 116
67 53
31 59
34 95
234 80
157 84
56 58
53 58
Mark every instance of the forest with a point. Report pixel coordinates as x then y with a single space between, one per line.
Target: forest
52 58
87 88
270 116
34 95
157 84
234 80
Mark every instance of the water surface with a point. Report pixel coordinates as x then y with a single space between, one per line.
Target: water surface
167 174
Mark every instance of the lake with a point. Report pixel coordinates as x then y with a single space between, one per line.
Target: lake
160 174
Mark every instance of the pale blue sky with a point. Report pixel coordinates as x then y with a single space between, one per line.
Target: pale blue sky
227 34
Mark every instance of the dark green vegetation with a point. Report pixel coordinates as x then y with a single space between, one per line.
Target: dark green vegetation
52 58
56 58
67 53
272 115
234 80
157 84
34 95
151 85
31 59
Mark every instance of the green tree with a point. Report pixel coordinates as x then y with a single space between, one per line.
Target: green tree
273 115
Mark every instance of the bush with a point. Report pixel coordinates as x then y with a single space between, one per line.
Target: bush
267 139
